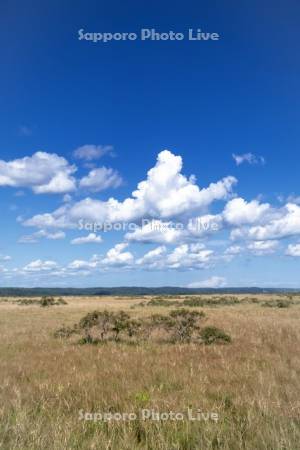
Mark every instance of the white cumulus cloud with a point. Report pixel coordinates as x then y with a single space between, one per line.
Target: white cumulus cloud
166 193
152 257
239 212
44 173
233 250
212 282
79 264
286 223
100 179
156 231
116 256
263 247
40 266
91 238
182 257
293 250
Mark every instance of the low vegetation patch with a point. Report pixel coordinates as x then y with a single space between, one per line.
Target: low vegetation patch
217 301
278 303
179 326
211 335
192 301
212 301
43 302
161 301
5 300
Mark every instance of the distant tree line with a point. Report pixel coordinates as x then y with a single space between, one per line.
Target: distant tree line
132 291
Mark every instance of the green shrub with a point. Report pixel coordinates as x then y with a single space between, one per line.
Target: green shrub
61 301
107 324
210 335
28 302
50 301
212 301
277 304
43 302
47 301
64 332
185 324
161 301
180 325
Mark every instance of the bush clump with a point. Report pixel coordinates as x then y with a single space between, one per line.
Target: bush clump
212 301
27 302
43 302
192 301
211 335
64 332
185 324
102 325
179 326
162 301
159 301
278 303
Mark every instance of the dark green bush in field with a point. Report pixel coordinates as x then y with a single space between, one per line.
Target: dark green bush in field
92 319
51 301
101 325
28 301
160 320
161 301
47 301
96 319
185 324
277 303
212 301
192 301
181 325
210 335
43 302
65 332
6 300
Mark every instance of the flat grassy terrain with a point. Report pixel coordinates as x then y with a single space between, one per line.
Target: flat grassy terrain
252 383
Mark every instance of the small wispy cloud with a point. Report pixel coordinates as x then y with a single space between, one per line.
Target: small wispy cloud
35 237
89 152
249 158
5 258
24 130
89 239
67 198
19 193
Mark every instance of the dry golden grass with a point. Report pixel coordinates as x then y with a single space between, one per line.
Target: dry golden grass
252 383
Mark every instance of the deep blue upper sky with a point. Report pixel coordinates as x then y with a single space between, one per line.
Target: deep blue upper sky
201 100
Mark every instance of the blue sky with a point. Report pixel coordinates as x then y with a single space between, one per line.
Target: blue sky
83 123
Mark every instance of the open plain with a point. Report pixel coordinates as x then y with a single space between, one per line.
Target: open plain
54 391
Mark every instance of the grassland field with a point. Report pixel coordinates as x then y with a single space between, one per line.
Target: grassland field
251 383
